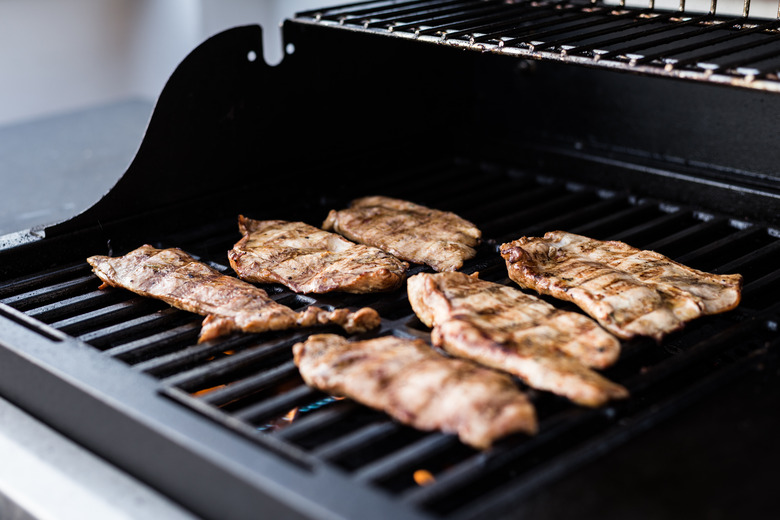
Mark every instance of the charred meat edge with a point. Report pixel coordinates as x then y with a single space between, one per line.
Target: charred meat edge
627 290
418 386
410 231
308 260
465 331
229 304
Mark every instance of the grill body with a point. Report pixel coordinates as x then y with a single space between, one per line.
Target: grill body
518 142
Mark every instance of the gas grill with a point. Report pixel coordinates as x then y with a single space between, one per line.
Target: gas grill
657 128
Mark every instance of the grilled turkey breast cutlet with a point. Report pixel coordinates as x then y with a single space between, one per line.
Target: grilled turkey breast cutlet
504 328
309 260
627 290
418 386
229 304
407 230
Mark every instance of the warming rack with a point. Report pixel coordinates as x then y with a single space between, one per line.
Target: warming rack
739 49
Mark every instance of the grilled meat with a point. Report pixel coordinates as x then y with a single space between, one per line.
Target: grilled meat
409 231
173 276
309 260
629 291
504 328
418 386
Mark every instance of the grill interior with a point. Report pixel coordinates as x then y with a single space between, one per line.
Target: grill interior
742 49
249 384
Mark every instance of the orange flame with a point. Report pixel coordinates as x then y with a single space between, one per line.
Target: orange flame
207 390
423 477
291 415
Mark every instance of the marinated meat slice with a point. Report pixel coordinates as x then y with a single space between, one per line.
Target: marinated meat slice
309 260
504 328
409 231
418 386
173 276
629 291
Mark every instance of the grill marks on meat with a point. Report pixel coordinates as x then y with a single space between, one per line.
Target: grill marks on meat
309 260
409 231
418 386
628 290
229 304
504 328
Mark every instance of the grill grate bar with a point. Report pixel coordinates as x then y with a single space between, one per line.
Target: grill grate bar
369 435
389 8
155 343
246 386
737 63
328 416
641 18
481 464
692 356
596 210
51 277
721 39
626 235
678 49
444 18
502 225
560 24
610 18
198 376
589 450
128 309
634 30
638 211
702 228
737 263
755 286
518 196
461 18
185 359
498 25
133 327
663 40
726 241
278 405
48 294
75 304
515 27
407 458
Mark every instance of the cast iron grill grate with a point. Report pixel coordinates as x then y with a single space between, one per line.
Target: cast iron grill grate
712 47
248 383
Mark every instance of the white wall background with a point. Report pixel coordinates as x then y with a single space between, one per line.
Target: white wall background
62 55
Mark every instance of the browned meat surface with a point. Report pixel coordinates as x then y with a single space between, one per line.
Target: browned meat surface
418 386
173 276
309 260
409 231
504 328
629 291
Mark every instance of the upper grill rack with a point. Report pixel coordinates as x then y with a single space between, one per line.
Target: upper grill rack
249 383
710 47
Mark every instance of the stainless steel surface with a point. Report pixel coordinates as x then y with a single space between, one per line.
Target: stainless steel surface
45 476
